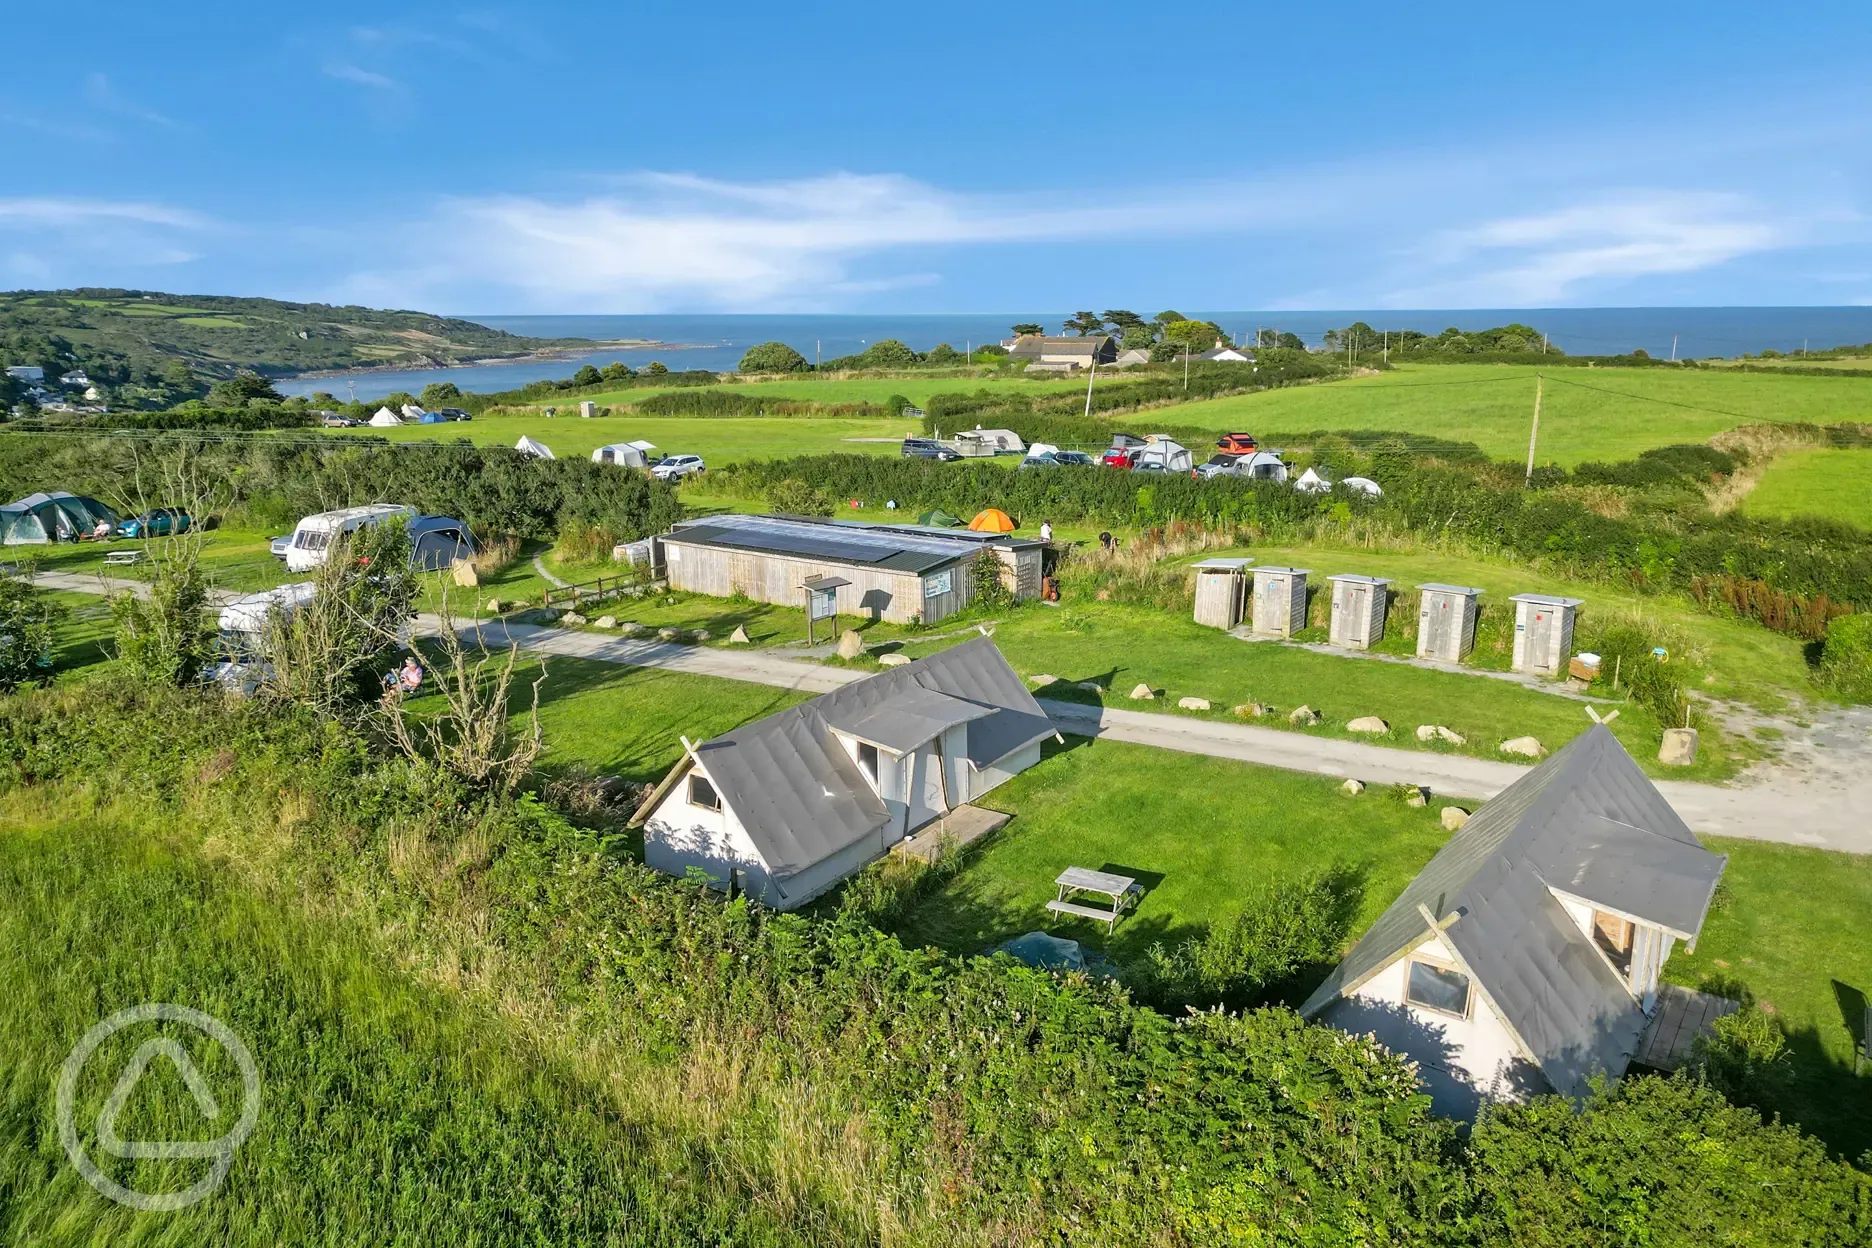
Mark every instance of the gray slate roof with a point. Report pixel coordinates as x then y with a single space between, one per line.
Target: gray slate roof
800 796
1587 822
887 548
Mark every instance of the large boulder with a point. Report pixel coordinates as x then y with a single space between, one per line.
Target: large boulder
1416 795
850 644
1305 716
1369 725
1437 732
1352 788
1193 704
1143 693
1454 817
630 628
669 634
739 637
1524 747
1679 748
1251 710
494 606
893 660
465 574
1042 679
573 618
607 621
699 635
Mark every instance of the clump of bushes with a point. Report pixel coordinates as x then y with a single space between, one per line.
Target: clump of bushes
1846 657
795 498
28 619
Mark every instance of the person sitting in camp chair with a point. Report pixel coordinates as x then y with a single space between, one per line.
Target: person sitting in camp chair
405 680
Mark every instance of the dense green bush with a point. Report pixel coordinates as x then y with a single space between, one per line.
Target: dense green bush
1846 658
794 497
28 617
773 357
747 402
1664 465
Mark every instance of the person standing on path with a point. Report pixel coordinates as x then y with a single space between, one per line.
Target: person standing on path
1046 531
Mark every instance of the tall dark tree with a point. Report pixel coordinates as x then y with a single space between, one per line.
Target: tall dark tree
1121 320
1085 323
1028 327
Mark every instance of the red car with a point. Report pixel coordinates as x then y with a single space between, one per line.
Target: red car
1236 444
1120 457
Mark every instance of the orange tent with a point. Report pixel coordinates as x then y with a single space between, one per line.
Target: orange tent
992 520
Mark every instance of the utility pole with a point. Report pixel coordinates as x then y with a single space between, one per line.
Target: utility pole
968 351
1186 355
1543 344
1534 432
1673 348
815 355
1089 377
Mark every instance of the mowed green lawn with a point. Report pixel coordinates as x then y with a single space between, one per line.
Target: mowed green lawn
1829 484
1596 414
861 389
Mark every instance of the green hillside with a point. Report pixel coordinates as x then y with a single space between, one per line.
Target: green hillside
150 347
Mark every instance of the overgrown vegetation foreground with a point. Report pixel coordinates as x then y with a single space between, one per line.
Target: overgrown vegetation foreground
477 1020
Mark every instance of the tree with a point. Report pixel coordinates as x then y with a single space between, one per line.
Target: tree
1028 327
587 376
1121 320
238 390
616 370
1139 337
1194 335
888 353
773 357
942 353
440 394
27 618
1085 323
1165 318
168 637
327 653
656 368
1291 342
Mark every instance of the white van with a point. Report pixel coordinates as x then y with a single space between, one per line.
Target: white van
313 536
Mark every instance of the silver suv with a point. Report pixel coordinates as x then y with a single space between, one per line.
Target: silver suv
676 467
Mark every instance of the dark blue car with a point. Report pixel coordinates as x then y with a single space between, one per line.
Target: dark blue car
157 522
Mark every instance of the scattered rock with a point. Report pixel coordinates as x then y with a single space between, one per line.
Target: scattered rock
1416 795
1250 710
893 660
1426 732
1142 693
699 635
573 617
1679 748
607 621
851 645
1525 747
630 629
739 637
542 615
1352 788
1193 704
1451 735
1304 715
1454 817
495 606
465 575
1043 679
669 634
1370 725
1091 686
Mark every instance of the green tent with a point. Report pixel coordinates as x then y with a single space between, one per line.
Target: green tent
55 517
941 519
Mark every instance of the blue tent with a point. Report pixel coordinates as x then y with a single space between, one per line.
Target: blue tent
432 418
1048 953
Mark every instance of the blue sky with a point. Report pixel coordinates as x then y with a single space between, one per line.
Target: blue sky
854 158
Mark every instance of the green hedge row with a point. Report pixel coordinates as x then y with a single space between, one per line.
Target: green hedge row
1010 1104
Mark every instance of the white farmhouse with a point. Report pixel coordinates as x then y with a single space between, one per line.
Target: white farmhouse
787 806
1524 958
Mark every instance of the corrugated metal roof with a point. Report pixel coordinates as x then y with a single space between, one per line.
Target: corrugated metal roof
869 547
1450 589
1585 822
1359 579
1547 600
910 718
800 796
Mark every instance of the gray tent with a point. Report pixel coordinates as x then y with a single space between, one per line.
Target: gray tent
436 542
55 517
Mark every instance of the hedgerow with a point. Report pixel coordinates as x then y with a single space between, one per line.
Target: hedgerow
1007 1104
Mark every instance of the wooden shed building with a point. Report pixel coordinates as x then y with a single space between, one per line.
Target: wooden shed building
1221 592
891 572
1446 619
1543 632
1358 610
1279 601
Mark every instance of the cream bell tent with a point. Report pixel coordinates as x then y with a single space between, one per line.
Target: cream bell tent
625 454
537 449
385 419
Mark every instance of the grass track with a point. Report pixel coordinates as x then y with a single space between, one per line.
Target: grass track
1828 484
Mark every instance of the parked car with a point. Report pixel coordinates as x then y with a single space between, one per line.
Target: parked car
1237 443
156 522
928 448
278 546
1047 460
676 467
1219 466
332 420
1074 459
452 413
1121 456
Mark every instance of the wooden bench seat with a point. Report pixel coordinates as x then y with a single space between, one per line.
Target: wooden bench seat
1107 917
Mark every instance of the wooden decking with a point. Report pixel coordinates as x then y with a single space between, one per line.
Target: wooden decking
1682 1015
959 827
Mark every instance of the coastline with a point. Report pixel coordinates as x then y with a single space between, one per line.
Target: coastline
545 354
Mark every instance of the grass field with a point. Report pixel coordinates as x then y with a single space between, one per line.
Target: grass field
917 388
1598 414
1832 485
718 442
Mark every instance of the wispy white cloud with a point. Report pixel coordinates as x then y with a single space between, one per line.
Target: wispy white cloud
87 241
1547 257
60 128
38 212
99 91
344 71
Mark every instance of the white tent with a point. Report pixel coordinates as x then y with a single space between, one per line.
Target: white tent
528 446
385 418
1036 449
1166 453
412 412
1364 485
625 454
1261 466
1312 483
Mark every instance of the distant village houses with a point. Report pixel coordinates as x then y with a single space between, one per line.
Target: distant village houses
1065 354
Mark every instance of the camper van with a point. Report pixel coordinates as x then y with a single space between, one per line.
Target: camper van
436 542
241 665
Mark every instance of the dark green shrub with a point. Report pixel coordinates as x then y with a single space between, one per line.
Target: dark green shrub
28 618
773 357
794 497
1846 658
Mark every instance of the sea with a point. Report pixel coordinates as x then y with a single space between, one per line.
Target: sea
717 342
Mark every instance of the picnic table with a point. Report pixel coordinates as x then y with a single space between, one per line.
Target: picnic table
1122 890
123 558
